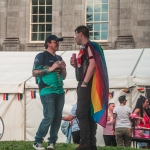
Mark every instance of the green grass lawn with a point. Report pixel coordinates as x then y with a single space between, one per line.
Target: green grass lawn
23 145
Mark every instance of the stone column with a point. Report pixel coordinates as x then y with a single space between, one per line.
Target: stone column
57 17
73 15
114 11
125 39
134 29
12 43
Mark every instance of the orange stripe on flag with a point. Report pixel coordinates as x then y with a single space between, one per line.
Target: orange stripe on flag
96 102
98 85
4 96
32 95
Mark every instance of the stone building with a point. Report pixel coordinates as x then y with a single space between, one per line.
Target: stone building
115 24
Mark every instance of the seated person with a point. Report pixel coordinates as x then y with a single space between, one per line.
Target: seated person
140 107
138 133
74 122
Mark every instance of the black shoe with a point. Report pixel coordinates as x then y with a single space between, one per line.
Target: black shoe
80 147
93 147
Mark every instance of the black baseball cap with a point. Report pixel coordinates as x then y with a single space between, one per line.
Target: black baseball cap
52 37
122 98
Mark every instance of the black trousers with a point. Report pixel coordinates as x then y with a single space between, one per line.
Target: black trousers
110 140
76 137
86 124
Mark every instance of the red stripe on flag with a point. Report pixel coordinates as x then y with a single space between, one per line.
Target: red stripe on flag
4 96
18 96
32 95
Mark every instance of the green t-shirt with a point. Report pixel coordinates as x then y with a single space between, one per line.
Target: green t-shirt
53 81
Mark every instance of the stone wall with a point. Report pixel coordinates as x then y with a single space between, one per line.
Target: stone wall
143 24
129 24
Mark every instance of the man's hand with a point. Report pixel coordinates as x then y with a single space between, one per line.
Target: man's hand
56 65
73 62
82 85
63 65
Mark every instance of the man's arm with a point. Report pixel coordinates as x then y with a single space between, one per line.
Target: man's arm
63 69
42 72
114 120
38 66
91 68
68 118
39 73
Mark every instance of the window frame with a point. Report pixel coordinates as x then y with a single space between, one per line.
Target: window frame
38 23
97 21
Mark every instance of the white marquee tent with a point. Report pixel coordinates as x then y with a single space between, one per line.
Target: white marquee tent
127 69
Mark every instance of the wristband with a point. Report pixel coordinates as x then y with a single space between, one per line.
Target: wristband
85 83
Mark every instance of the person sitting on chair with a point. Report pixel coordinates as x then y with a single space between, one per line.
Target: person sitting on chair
138 133
75 127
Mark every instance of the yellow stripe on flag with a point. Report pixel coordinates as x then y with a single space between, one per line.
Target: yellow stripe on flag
96 102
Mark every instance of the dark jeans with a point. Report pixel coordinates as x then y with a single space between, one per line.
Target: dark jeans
76 137
52 111
86 124
110 140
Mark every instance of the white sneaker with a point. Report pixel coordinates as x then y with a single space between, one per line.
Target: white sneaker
50 146
38 146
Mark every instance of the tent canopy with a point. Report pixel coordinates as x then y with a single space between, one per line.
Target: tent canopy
126 68
141 73
16 68
120 64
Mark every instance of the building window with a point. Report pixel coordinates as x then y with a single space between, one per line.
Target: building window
41 19
97 19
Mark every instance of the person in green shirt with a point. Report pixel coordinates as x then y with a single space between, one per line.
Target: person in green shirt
50 71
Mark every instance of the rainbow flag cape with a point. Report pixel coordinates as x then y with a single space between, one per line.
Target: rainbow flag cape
100 86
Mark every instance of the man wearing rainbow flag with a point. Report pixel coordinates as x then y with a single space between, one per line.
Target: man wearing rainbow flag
92 89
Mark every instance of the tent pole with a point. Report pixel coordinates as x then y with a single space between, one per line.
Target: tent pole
137 62
25 114
25 109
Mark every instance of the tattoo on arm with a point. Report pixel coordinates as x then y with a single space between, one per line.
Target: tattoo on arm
40 73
